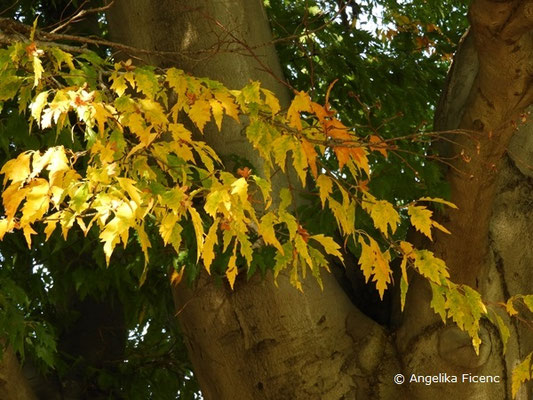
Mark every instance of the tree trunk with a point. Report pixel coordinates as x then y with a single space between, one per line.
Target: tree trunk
13 384
266 342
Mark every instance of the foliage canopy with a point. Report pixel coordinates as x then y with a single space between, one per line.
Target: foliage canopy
110 152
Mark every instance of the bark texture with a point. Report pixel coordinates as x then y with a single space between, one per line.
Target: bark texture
488 91
13 384
263 342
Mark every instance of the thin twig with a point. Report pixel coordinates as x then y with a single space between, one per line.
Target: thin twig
80 14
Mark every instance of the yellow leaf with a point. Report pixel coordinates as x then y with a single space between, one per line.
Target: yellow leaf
344 215
382 271
176 80
522 373
301 248
300 161
240 188
128 185
218 112
509 307
37 68
407 249
266 230
245 246
211 240
382 213
375 264
325 187
166 226
144 241
5 226
50 226
200 113
37 201
231 272
440 227
176 277
198 229
377 144
437 200
265 187
110 236
311 155
28 231
300 103
329 245
153 112
12 197
421 219
272 101
119 83
18 169
37 106
39 162
429 266
280 147
229 105
403 282
294 279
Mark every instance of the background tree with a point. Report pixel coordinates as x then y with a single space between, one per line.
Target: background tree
269 342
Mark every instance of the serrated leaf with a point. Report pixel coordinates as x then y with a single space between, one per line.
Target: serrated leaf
438 200
144 242
509 307
231 271
440 227
300 103
421 219
283 259
521 373
438 300
375 264
210 241
325 187
37 69
218 112
311 154
429 266
200 113
265 188
146 81
383 214
299 162
119 84
37 106
271 101
266 230
329 245
198 229
18 169
229 104
37 201
240 188
12 197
